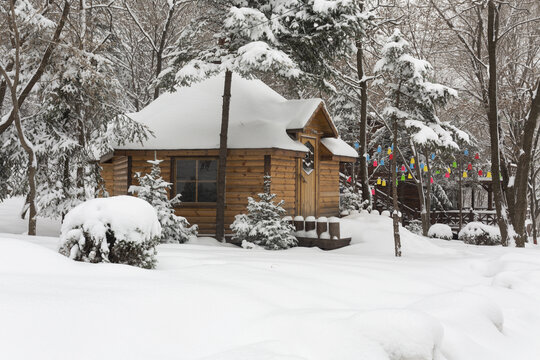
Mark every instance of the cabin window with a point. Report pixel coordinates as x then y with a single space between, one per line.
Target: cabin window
196 180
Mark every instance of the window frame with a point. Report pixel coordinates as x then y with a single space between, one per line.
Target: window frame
174 180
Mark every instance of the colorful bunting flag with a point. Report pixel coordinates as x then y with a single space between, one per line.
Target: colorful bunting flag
447 175
454 164
384 183
378 181
466 152
402 177
431 180
389 152
375 163
391 156
379 148
464 174
480 173
477 156
425 168
469 167
382 162
409 176
488 174
412 160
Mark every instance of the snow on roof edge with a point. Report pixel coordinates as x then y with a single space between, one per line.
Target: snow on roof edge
339 147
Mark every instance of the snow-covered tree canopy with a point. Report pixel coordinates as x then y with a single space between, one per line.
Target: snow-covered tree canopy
411 97
287 38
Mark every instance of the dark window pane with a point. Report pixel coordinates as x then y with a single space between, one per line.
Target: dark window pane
207 169
185 169
207 192
187 189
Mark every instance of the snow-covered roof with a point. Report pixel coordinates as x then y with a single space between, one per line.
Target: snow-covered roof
339 147
190 118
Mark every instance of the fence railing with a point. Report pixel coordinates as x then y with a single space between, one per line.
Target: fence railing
383 201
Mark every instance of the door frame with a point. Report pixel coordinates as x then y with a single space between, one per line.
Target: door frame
302 137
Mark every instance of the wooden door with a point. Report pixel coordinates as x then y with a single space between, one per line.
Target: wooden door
308 179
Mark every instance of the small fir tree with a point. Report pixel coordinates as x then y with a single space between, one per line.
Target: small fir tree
153 189
263 225
350 199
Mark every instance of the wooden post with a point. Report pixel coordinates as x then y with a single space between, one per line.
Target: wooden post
322 226
472 197
333 225
299 223
490 197
310 223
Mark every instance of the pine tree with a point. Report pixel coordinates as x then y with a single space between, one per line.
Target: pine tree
263 225
411 101
153 189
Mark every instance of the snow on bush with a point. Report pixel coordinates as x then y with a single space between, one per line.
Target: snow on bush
264 225
119 229
153 189
477 233
440 231
350 200
414 226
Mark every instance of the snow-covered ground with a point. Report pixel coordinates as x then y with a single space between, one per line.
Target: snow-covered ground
205 300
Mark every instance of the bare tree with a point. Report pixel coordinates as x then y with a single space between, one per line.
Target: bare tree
12 81
483 30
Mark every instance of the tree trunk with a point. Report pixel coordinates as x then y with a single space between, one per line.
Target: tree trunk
421 194
460 193
493 119
533 205
395 212
366 192
162 42
428 189
222 165
521 182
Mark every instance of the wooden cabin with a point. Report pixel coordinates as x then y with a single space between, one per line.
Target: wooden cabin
295 141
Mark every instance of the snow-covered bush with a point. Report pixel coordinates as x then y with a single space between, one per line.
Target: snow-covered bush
440 231
477 233
414 226
153 189
264 225
119 229
350 200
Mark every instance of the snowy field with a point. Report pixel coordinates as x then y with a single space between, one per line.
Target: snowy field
442 300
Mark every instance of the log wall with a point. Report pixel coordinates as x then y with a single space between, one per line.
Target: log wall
283 172
245 177
328 188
